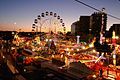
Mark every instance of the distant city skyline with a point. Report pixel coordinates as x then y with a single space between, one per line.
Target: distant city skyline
20 14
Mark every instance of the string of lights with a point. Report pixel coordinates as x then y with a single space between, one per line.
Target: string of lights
96 9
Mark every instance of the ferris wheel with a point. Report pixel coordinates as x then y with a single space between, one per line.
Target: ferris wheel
48 22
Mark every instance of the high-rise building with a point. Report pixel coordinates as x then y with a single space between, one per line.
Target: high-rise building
82 26
98 23
93 25
116 28
74 28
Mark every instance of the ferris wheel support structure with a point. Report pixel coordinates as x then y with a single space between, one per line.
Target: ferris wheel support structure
39 20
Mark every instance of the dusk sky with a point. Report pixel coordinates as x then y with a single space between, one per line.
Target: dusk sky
23 12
